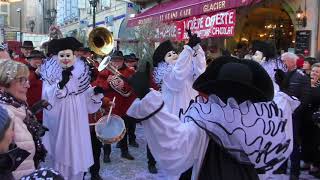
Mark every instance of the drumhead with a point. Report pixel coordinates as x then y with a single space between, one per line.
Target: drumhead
111 129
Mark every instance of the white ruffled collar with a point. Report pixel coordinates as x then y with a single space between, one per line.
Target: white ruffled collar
160 71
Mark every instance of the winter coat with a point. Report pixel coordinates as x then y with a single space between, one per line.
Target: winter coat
23 138
116 87
298 85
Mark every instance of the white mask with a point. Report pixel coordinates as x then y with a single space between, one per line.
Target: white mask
66 58
171 57
258 57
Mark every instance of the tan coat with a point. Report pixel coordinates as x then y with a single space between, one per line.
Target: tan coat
23 139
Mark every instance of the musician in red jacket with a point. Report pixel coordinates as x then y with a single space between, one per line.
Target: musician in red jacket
26 48
114 86
35 91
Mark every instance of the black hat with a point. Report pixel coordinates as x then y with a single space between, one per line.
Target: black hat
85 49
117 54
241 79
161 52
53 47
68 43
27 44
76 44
43 173
131 56
36 54
267 48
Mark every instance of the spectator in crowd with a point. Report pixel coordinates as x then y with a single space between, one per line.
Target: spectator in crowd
300 61
296 84
35 91
310 131
26 48
11 156
15 83
308 62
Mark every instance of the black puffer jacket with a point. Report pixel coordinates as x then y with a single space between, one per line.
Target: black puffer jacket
298 84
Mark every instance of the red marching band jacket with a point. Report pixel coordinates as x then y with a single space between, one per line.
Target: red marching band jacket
35 91
114 87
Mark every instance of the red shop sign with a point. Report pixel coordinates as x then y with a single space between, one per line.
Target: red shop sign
221 24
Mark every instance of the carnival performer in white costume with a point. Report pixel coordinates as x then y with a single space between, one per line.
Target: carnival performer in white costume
237 133
175 73
72 99
265 54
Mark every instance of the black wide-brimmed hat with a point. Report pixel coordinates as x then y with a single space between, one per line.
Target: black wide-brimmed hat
68 43
130 57
36 54
53 47
266 47
161 51
117 54
27 44
241 79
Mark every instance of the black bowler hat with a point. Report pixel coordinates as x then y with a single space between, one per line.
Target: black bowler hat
116 55
241 79
84 49
131 57
36 54
27 44
161 51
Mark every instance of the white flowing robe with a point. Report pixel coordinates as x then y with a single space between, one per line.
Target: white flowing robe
177 84
68 141
177 146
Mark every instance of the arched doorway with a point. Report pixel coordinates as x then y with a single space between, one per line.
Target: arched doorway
266 21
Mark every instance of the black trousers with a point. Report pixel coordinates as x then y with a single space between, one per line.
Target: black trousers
96 150
151 160
131 128
296 152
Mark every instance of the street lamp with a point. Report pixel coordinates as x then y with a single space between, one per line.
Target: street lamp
51 16
20 14
94 3
301 16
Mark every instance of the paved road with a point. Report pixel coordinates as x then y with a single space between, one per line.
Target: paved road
121 169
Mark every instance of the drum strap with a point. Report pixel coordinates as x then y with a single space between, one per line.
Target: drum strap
150 115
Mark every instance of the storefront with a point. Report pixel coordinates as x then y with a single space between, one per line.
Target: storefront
235 23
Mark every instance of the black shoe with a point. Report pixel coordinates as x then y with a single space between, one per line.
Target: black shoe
118 145
106 159
134 144
96 177
126 155
152 169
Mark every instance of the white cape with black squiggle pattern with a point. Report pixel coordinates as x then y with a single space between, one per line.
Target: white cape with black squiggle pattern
259 133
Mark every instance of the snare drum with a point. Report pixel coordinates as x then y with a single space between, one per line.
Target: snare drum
111 131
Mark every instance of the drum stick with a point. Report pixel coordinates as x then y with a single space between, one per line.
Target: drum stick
113 100
93 124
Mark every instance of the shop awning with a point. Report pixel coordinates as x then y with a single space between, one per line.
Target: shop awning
179 9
